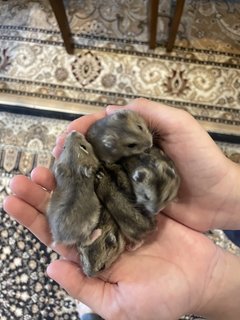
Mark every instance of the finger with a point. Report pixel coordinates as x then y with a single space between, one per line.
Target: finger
28 216
179 211
60 139
37 223
91 291
59 145
83 123
30 192
57 150
43 177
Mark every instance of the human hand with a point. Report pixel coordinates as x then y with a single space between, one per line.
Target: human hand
210 182
28 205
185 267
171 275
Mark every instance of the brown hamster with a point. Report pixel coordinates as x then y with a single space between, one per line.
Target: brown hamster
154 179
114 190
74 209
100 255
121 134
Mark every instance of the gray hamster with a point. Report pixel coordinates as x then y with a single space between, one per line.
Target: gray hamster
121 134
114 190
100 255
154 179
74 209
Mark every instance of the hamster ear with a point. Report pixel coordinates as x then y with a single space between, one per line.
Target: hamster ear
109 141
111 240
139 174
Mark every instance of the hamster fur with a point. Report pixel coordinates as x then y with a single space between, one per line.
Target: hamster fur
121 134
115 193
154 179
100 255
74 209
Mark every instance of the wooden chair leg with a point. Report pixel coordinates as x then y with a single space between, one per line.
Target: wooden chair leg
61 17
175 24
152 23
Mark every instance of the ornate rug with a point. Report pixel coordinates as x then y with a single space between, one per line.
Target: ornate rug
112 63
25 291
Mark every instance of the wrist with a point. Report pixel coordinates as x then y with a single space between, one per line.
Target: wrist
221 298
232 202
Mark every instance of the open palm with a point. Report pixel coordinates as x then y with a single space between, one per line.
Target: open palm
173 268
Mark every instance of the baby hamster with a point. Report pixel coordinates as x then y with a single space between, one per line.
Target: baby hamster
117 196
121 134
154 179
100 255
74 209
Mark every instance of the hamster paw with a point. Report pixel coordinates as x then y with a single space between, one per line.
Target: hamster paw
99 175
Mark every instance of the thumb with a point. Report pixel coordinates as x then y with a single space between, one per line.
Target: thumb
91 291
161 118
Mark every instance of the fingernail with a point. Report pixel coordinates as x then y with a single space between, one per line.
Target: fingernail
112 108
56 152
49 271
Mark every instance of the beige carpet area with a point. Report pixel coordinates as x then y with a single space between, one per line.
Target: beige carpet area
111 65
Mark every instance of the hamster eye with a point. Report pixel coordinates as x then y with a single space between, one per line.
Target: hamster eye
111 240
140 127
146 197
83 148
139 176
131 145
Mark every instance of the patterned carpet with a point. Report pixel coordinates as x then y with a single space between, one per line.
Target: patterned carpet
112 64
25 291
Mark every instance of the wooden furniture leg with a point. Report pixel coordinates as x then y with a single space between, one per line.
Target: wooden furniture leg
60 14
152 23
175 24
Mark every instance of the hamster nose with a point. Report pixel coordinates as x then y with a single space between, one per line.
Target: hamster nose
71 133
74 133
